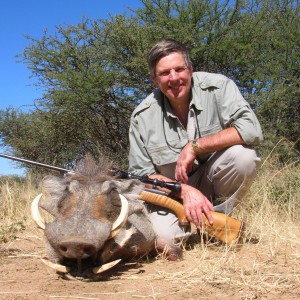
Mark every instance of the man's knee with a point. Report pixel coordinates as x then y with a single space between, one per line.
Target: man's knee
234 168
231 182
244 160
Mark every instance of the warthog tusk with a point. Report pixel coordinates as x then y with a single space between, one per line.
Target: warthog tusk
105 267
56 267
122 218
35 212
64 269
107 253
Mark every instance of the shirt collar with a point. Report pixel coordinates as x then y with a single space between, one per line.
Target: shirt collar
195 98
168 108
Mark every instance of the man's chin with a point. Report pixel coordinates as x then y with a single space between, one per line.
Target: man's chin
176 95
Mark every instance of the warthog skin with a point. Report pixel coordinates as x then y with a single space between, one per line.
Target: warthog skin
84 208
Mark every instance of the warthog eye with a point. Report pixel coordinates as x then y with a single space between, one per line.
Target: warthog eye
108 206
67 205
114 198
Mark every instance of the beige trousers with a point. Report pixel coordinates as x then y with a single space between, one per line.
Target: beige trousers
224 179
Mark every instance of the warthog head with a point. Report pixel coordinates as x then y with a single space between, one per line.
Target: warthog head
97 221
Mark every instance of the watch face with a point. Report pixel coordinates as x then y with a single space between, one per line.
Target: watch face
195 146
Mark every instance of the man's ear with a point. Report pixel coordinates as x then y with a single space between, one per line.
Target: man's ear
154 80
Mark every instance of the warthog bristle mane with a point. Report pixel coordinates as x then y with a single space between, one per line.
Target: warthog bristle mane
90 168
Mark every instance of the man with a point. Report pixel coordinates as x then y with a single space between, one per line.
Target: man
195 128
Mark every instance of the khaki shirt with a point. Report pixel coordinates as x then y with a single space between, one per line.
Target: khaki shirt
157 136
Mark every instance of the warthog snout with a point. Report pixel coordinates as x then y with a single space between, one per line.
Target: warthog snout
76 249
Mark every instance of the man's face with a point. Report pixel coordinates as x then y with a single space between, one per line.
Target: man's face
173 77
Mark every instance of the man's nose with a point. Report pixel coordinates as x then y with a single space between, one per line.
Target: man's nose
173 75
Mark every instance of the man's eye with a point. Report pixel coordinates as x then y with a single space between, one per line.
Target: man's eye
168 72
165 73
179 70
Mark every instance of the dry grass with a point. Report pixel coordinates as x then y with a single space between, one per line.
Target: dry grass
268 268
16 195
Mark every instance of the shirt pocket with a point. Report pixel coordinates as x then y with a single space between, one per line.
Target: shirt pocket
162 154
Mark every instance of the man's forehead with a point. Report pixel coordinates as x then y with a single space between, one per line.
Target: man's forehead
173 59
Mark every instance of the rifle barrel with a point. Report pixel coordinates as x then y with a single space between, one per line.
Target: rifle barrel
27 161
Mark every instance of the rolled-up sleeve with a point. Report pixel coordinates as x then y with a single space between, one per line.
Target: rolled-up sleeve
139 162
236 112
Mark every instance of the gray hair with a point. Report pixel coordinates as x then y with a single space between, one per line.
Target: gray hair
163 48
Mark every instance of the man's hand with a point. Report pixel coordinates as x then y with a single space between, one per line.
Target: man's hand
184 163
197 206
209 144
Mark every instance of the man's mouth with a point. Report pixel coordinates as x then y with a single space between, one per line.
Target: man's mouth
175 87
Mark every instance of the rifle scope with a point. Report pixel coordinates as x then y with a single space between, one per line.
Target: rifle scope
173 186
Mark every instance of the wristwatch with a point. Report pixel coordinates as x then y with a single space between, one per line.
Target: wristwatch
195 147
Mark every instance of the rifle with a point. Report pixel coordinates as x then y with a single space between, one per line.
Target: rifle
224 228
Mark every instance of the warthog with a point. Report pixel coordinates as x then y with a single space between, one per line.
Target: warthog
97 221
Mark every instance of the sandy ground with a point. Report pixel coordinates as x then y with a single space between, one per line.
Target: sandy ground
206 272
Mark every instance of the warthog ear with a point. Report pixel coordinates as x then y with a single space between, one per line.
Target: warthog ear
57 188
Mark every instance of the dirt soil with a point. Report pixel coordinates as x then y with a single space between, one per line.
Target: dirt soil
249 273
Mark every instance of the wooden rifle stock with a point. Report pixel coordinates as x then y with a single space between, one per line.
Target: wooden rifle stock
224 228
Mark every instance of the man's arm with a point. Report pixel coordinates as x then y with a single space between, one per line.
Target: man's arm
139 161
208 144
195 203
